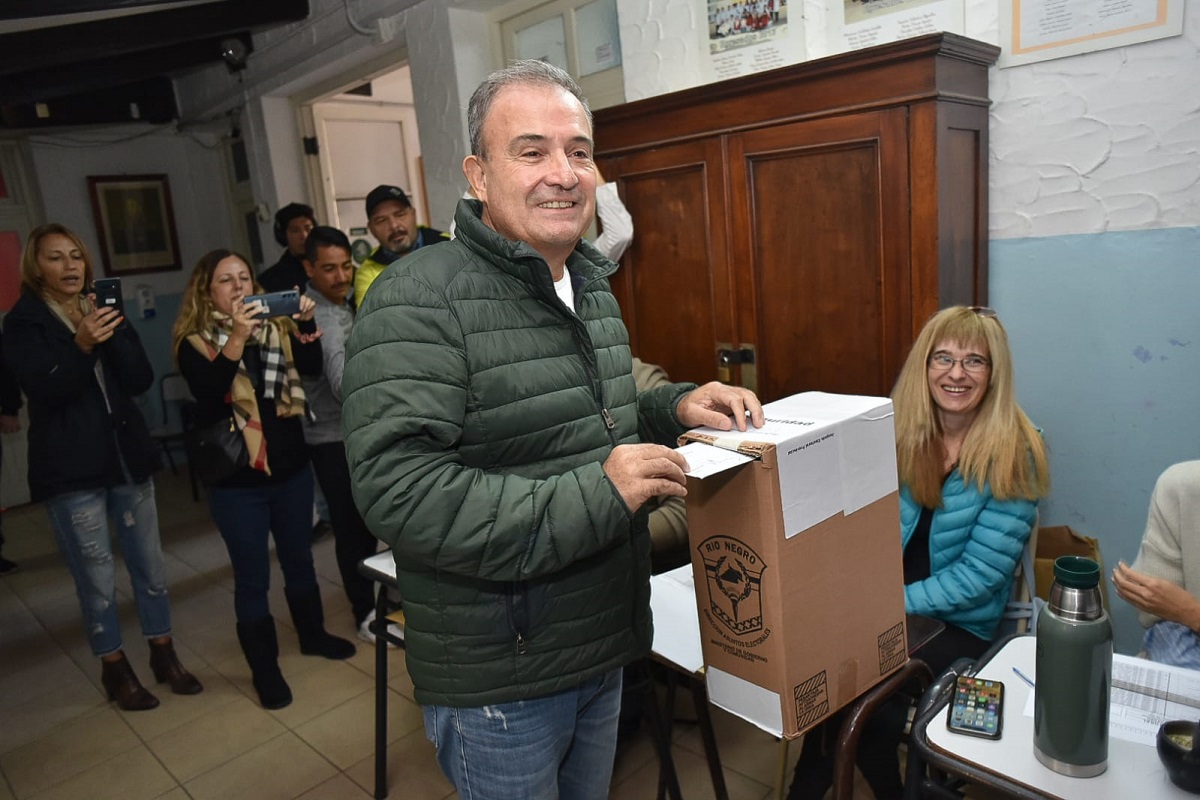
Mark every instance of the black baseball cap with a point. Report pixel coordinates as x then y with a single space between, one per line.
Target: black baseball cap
382 194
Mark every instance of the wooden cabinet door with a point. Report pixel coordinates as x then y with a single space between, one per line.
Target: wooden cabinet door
821 218
673 284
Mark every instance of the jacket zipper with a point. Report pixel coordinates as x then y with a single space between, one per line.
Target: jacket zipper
517 615
586 350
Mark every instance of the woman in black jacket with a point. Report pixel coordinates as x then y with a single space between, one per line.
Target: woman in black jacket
90 455
247 370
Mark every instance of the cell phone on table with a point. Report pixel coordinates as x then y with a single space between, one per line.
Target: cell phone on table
108 295
276 304
977 707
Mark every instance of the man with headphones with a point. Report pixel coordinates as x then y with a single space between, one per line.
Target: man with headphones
292 224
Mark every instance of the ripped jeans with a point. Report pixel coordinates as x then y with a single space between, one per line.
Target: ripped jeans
557 746
80 521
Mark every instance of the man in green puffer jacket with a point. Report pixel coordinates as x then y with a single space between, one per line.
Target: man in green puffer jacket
493 432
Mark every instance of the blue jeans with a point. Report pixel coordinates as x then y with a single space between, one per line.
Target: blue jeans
246 517
560 745
80 521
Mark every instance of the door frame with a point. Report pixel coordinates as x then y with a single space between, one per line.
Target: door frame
324 111
324 90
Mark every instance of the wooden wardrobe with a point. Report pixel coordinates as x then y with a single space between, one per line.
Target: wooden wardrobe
794 229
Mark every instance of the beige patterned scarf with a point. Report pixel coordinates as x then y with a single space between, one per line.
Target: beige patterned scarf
281 382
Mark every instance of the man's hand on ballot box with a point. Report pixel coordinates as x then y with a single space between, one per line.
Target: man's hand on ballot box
719 406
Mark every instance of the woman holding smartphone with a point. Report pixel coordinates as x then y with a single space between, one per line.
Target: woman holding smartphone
90 454
245 368
972 468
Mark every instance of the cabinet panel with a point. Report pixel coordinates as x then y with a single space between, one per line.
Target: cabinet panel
826 287
673 286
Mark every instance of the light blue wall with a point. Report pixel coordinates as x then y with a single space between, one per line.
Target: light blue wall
1105 331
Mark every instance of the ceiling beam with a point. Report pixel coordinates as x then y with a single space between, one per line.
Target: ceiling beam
102 39
40 85
20 9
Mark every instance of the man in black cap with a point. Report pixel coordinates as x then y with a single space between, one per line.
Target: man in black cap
392 220
292 224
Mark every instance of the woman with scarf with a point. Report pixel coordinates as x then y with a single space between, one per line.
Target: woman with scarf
247 369
90 455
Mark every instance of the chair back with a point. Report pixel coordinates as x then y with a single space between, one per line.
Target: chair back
173 389
1021 611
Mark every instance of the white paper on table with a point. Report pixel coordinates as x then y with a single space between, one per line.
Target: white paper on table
1136 717
676 620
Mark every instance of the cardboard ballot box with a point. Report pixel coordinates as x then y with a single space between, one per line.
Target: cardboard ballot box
795 536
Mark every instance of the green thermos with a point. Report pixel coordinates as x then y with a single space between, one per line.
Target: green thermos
1073 672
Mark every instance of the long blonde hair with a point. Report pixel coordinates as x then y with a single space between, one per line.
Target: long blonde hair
1002 449
196 307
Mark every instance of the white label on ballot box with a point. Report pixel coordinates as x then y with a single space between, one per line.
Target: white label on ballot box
836 453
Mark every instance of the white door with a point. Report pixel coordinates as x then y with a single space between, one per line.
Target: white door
361 147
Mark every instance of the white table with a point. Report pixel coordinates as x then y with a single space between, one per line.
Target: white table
1134 771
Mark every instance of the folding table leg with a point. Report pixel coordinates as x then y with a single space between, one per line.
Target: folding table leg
711 755
668 779
381 679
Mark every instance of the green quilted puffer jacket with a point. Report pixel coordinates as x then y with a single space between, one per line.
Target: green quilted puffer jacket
478 412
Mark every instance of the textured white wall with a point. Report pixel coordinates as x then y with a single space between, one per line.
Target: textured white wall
1097 142
1104 141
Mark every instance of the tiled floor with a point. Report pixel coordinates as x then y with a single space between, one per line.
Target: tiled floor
60 739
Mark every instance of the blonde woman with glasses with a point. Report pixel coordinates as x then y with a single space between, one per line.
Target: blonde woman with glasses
972 468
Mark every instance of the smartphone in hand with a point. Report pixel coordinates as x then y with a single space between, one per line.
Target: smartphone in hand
276 304
977 707
108 295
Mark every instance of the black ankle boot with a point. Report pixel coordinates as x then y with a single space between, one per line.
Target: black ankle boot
309 619
122 685
261 649
164 663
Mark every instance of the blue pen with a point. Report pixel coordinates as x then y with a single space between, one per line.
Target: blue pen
1024 677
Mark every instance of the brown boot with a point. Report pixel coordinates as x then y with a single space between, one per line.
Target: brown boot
167 669
122 685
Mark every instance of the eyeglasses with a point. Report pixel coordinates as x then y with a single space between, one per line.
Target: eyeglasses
984 311
943 361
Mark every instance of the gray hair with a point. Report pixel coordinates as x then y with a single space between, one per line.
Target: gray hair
529 72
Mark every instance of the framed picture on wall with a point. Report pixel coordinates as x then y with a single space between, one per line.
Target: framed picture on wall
135 223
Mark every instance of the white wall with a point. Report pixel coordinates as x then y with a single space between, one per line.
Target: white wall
193 167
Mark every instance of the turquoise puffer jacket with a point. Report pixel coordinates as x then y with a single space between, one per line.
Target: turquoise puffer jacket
975 542
478 411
